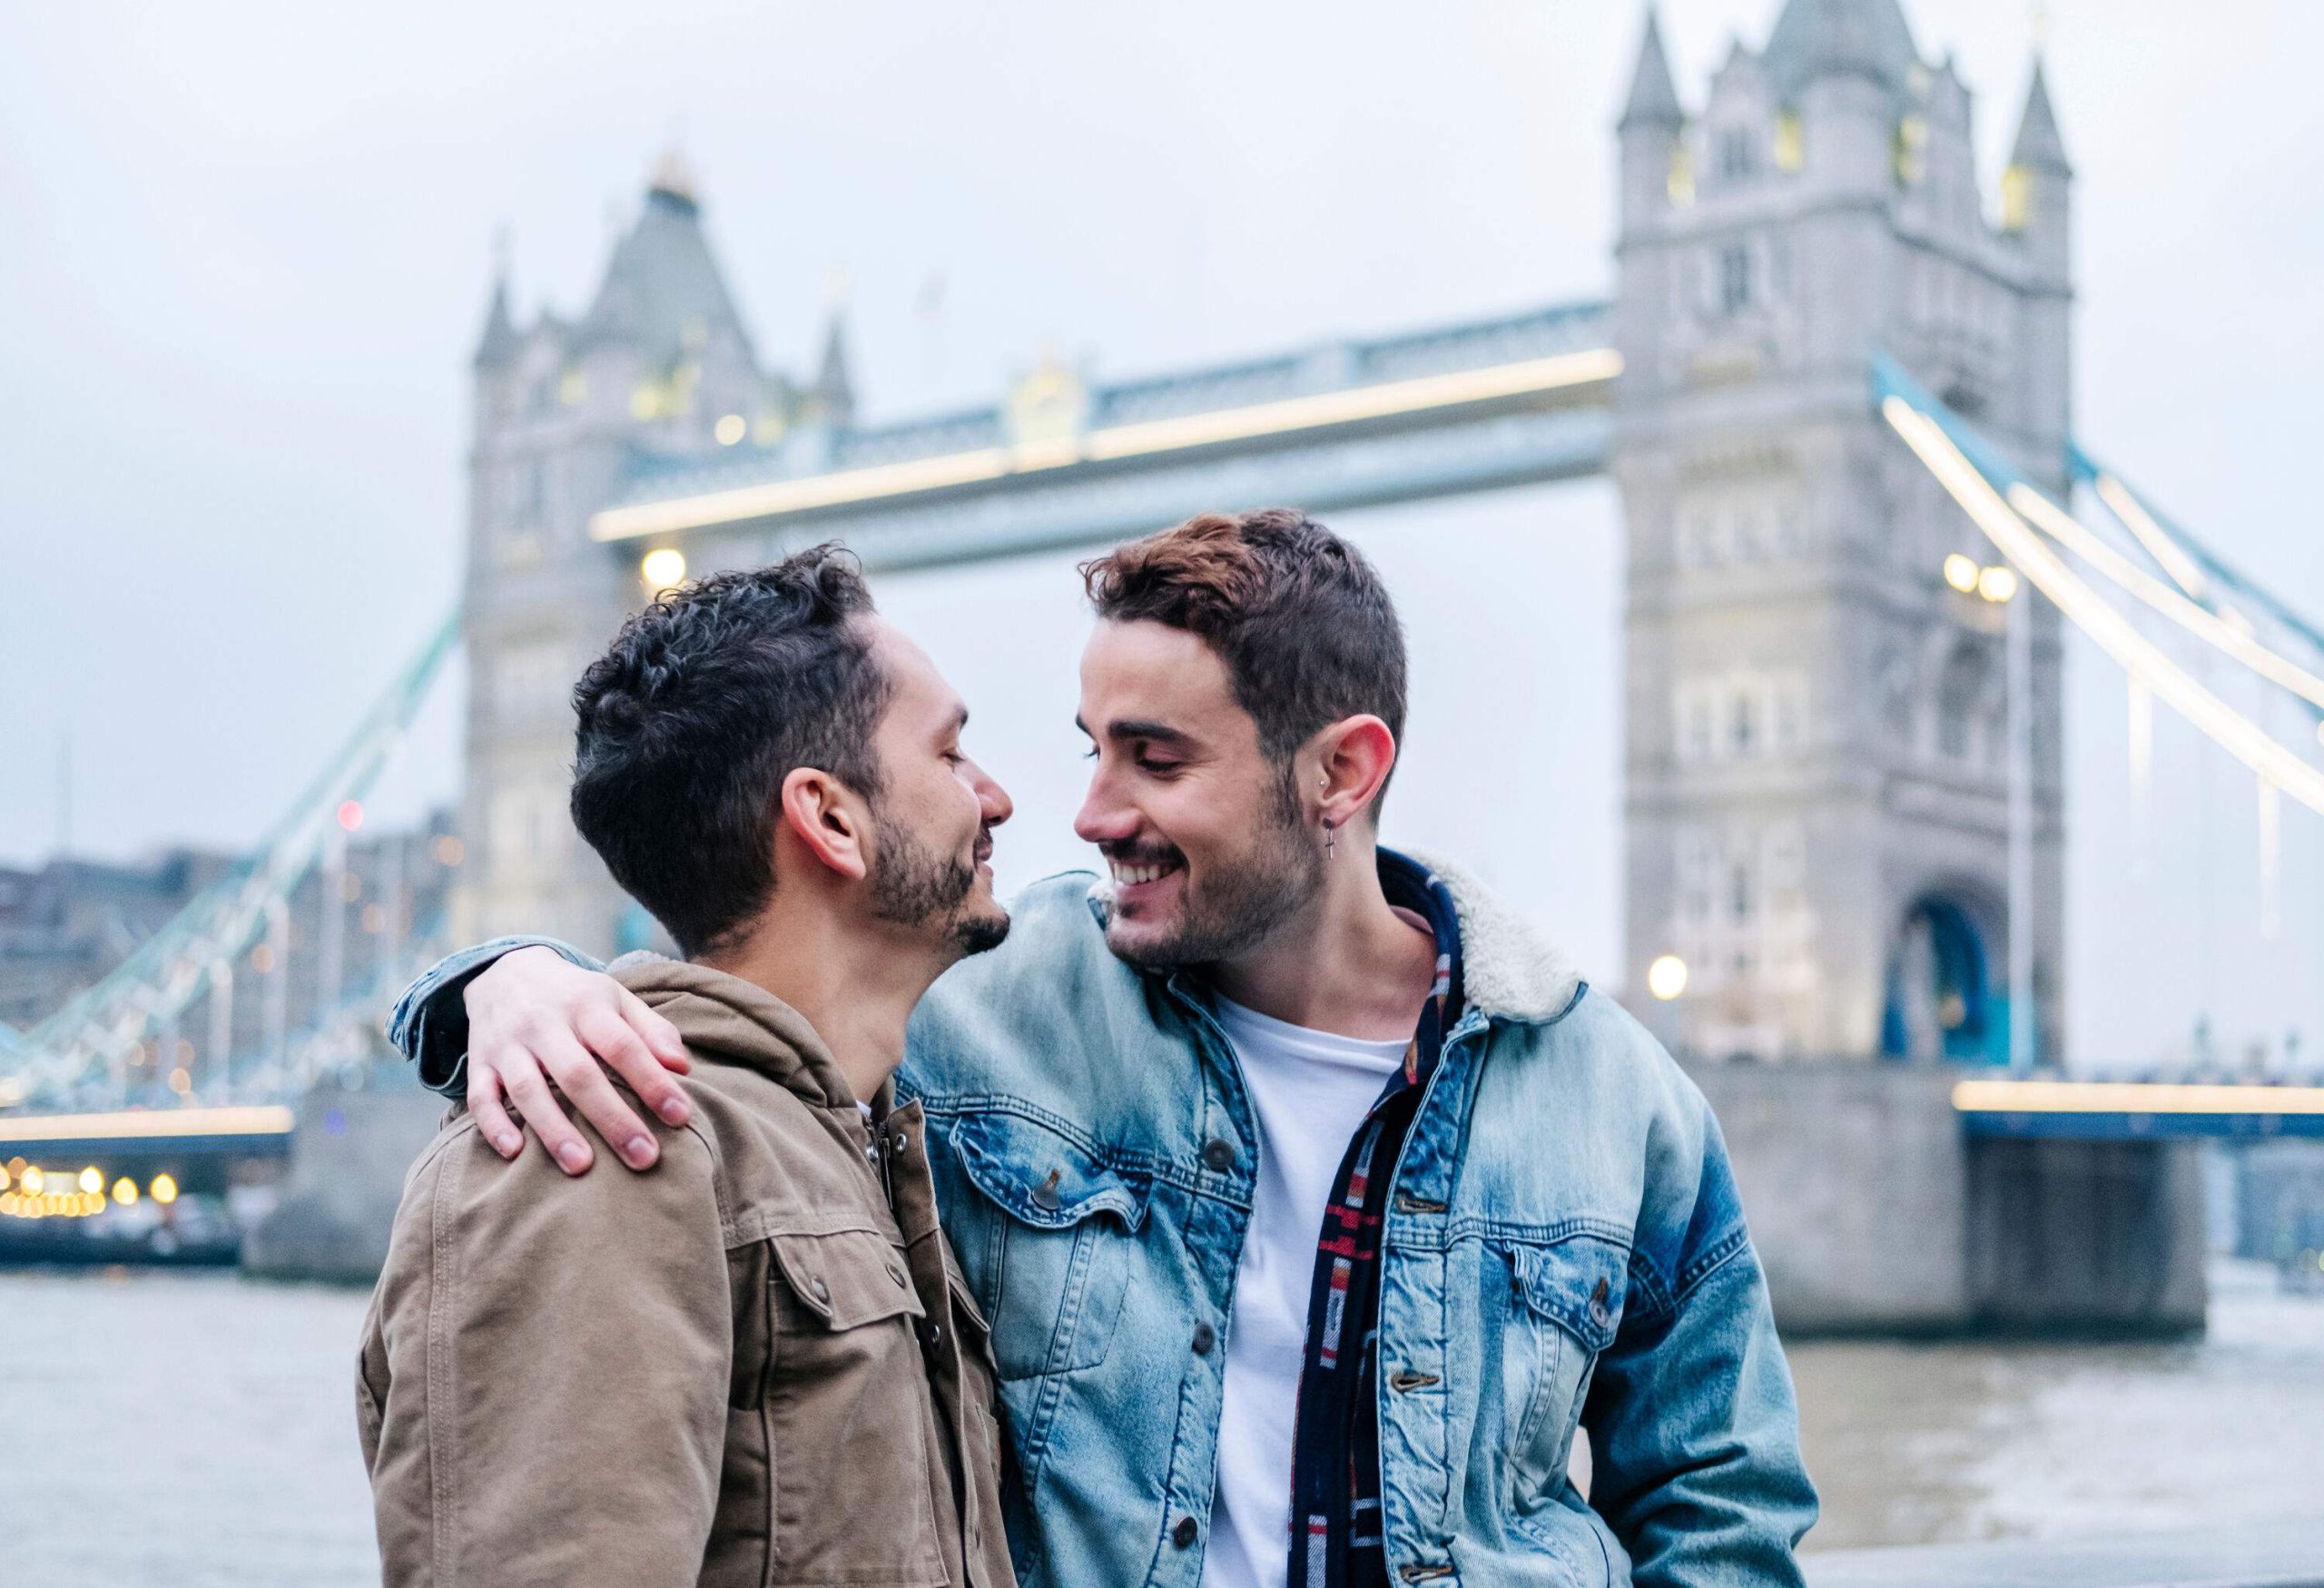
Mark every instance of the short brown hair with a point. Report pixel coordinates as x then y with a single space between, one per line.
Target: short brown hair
1301 619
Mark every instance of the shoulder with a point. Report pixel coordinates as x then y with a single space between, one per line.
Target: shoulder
1052 985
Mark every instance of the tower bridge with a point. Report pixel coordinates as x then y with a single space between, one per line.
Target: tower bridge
1833 388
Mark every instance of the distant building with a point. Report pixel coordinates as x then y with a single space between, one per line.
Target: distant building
660 368
66 923
1817 788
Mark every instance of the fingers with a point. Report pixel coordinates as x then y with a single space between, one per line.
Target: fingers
618 1037
529 1088
579 1076
660 1035
491 1116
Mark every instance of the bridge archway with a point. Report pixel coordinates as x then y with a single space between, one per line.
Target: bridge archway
1942 1003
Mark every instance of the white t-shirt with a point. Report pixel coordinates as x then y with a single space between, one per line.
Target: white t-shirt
1309 1091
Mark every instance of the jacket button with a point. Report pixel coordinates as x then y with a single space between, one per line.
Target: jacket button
823 1291
1205 1338
1184 1533
896 1274
1045 1194
1219 1154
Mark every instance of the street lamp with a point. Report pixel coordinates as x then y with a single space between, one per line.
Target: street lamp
1666 978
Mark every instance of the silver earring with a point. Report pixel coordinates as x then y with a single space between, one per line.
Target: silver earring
1331 838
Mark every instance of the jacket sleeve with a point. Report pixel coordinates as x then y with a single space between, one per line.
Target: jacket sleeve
430 1022
558 1356
1694 1432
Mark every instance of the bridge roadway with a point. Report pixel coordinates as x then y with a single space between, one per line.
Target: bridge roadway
1517 400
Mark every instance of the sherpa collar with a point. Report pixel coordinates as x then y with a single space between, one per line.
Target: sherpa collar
1509 971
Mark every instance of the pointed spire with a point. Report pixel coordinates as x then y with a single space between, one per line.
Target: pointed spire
834 388
2039 146
499 343
662 293
1654 97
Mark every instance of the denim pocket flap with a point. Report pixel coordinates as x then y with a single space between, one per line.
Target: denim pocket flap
1576 1284
1040 1177
848 1279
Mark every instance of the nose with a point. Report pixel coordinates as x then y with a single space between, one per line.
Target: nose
1103 817
992 800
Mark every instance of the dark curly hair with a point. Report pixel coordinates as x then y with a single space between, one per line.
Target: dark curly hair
690 722
1301 619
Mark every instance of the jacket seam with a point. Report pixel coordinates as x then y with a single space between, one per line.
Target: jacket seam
1154 1168
442 1387
1721 1252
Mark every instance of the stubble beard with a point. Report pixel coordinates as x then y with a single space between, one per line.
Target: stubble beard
1241 902
913 885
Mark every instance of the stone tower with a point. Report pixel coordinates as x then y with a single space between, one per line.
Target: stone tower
1816 721
659 371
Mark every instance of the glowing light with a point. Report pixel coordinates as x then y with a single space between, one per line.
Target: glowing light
1667 977
181 1080
375 918
164 1189
1997 584
2130 1096
263 958
572 388
91 1181
1320 410
2232 633
1791 142
1680 183
2017 192
1961 573
662 568
351 815
125 1191
33 1181
732 428
2153 535
2111 631
142 1124
451 851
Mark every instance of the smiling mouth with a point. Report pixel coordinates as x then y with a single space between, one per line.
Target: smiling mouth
1127 875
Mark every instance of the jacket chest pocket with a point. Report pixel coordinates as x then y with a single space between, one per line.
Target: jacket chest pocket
851 1462
1565 1304
1061 1253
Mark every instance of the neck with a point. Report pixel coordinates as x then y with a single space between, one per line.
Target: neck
1351 964
857 988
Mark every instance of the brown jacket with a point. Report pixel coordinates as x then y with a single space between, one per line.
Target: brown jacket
754 1363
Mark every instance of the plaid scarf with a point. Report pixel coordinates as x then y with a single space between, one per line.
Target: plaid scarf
1336 1446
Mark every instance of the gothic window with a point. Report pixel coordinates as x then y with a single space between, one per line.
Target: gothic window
1739 892
1748 543
536 492
1698 726
1738 155
1734 279
1789 710
1959 694
1743 728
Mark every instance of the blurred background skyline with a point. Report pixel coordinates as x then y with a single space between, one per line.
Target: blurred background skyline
252 262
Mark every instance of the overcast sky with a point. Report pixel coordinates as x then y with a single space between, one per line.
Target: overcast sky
244 250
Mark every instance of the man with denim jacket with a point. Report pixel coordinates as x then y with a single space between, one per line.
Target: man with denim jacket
1522 1221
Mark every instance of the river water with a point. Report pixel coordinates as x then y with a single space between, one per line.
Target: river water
196 1430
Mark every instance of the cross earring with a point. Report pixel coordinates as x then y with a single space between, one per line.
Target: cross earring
1331 838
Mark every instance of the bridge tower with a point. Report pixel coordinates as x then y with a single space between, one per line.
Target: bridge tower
660 370
1816 757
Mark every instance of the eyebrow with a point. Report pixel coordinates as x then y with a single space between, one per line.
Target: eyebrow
1139 728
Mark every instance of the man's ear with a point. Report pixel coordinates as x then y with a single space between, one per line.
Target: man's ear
827 819
1353 757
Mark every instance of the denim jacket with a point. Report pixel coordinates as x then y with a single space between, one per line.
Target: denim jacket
1564 1250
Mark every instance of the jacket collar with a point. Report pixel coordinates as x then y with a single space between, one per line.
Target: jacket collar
1510 970
723 1017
